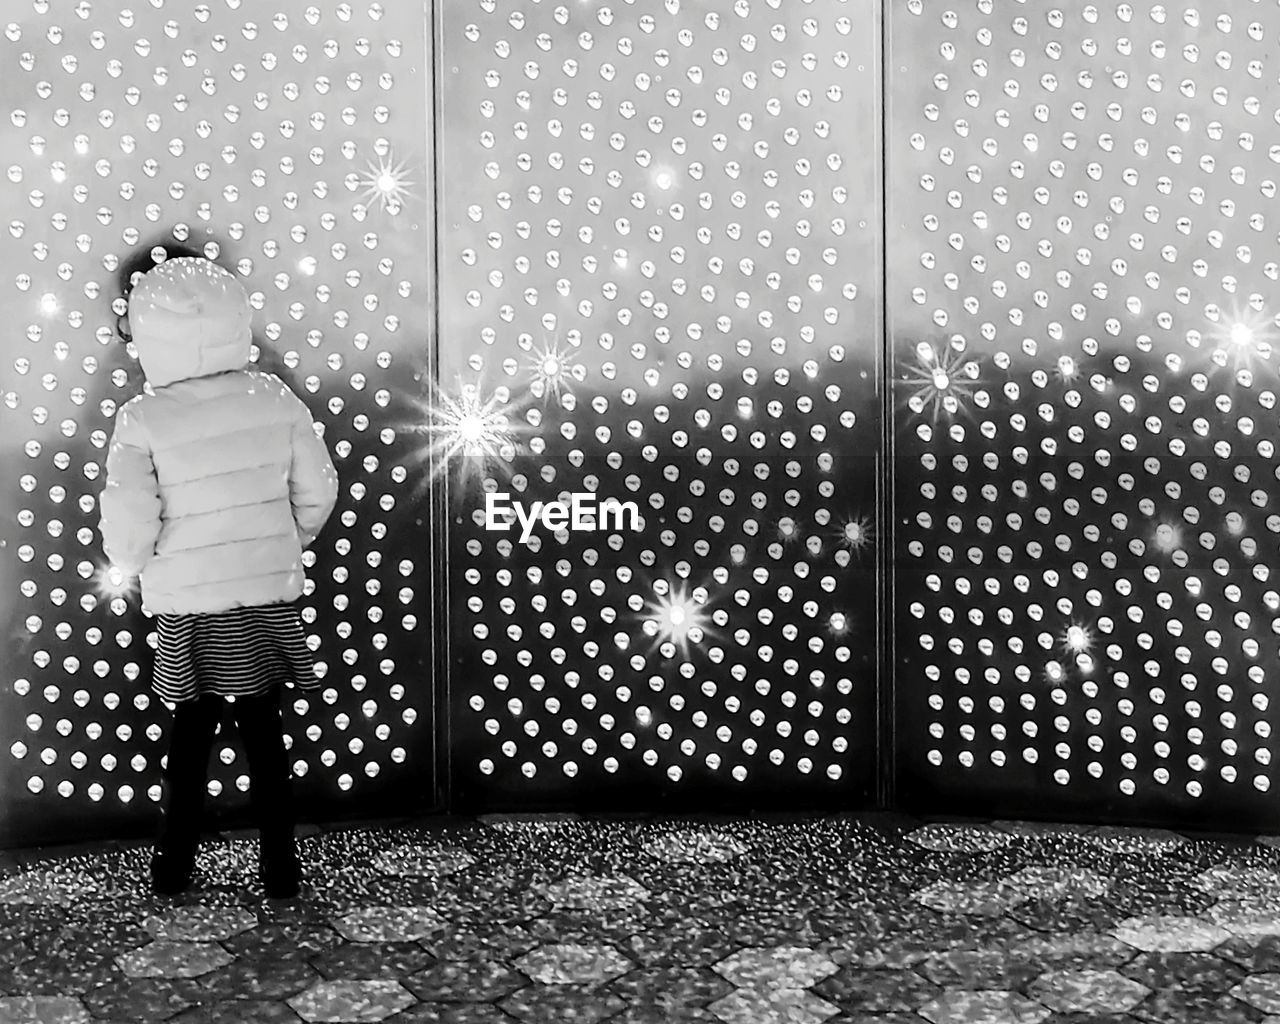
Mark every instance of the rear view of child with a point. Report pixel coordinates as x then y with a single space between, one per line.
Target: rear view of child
215 483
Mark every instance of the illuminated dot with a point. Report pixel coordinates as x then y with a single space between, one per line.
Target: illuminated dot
551 367
114 582
1077 638
49 304
664 179
838 622
677 616
853 532
387 182
471 428
1241 334
307 265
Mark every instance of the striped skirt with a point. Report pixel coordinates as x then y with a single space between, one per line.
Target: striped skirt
238 653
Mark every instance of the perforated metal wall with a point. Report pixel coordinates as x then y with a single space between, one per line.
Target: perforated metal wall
1082 294
289 141
660 283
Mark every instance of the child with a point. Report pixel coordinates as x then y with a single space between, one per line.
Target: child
215 483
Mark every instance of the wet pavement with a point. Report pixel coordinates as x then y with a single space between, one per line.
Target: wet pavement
728 921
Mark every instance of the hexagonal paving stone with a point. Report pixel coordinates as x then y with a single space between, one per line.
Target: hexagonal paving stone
980 968
260 978
1257 956
200 923
758 924
776 966
564 1004
1246 918
696 944
1240 882
949 838
1065 914
289 939
589 927
1193 1008
1087 991
773 1006
359 961
670 988
417 861
1055 881
1162 934
1154 842
465 942
351 1002
570 964
1042 829
482 901
143 999
66 974
876 991
977 899
238 1011
389 924
1260 990
167 959
695 846
84 940
646 1014
1193 972
452 1013
45 1009
594 892
996 1007
476 980
1082 948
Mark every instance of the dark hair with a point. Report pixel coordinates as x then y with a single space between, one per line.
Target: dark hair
139 263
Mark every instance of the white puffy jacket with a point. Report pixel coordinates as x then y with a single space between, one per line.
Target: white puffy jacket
216 478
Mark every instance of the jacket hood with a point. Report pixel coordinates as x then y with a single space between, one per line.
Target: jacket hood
189 318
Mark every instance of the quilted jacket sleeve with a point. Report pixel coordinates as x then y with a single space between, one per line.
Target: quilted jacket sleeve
313 482
129 508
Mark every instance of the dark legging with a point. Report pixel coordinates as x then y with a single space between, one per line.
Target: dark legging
261 729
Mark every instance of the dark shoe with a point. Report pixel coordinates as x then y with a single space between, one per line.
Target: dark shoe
170 874
280 871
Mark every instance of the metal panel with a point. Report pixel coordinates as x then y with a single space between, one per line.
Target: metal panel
1082 268
660 283
291 137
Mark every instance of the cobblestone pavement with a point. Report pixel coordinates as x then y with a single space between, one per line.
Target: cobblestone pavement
576 920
